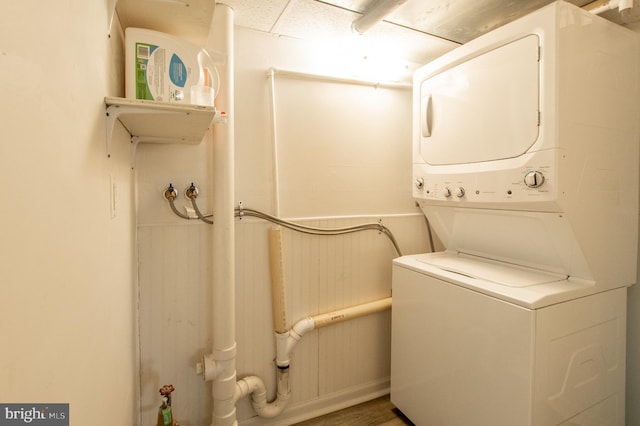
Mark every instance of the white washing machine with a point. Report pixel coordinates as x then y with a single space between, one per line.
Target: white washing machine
465 358
526 165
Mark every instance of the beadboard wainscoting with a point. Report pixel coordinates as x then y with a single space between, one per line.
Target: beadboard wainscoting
331 368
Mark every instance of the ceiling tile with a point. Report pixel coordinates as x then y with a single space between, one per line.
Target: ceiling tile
310 19
259 15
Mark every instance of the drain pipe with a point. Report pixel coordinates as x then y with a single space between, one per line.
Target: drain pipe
274 143
220 365
285 342
253 385
278 296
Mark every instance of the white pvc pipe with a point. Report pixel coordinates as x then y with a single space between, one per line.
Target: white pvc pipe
278 299
600 6
334 317
285 342
624 5
223 282
274 144
254 386
336 79
604 7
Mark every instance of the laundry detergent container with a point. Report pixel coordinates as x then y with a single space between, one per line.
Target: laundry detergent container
161 67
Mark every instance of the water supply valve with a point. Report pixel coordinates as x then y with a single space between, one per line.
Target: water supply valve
170 193
191 192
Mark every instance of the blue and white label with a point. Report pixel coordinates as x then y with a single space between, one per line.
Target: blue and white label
177 71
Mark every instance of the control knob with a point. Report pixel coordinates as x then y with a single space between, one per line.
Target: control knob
419 182
459 192
534 179
446 192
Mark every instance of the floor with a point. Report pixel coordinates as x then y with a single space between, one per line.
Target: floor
378 412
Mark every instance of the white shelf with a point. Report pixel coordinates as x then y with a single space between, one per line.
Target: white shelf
159 122
188 19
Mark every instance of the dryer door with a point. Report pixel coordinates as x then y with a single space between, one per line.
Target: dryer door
484 108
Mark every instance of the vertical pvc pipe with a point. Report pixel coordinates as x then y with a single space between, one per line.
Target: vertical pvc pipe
223 293
278 304
274 143
278 297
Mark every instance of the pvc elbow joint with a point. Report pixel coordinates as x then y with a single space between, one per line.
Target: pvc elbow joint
285 342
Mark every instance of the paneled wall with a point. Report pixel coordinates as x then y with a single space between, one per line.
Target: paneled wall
323 274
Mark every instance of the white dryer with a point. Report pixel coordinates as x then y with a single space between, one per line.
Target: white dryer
525 153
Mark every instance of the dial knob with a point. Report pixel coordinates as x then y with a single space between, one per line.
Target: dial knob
534 179
459 192
419 183
446 192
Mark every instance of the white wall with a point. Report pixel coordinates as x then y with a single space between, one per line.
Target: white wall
66 285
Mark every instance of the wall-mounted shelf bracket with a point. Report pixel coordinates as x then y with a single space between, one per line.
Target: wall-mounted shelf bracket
159 122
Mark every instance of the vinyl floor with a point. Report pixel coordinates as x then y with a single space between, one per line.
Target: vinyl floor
377 412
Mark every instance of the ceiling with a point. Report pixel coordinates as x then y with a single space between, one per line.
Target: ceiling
418 31
422 29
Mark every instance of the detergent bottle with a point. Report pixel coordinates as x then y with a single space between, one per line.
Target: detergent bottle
161 67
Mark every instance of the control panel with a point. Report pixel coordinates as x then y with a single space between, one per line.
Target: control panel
511 186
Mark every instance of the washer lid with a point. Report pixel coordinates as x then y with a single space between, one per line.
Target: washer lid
490 270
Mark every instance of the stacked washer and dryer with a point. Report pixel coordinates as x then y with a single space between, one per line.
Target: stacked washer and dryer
525 160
